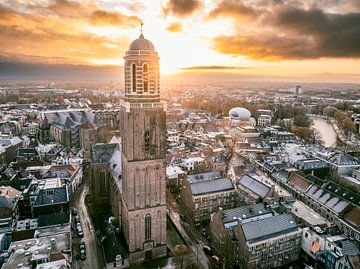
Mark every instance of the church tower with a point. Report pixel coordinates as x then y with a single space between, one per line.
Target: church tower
143 154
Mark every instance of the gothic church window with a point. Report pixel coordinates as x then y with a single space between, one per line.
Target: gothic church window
147 226
147 141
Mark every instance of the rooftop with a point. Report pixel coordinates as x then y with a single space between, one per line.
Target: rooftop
204 177
52 196
304 212
245 213
254 186
211 186
23 252
343 159
268 227
327 199
102 153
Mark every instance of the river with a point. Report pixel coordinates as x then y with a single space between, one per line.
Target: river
326 131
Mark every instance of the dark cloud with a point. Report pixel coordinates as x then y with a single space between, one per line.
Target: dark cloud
265 47
232 8
182 8
103 17
291 32
34 71
213 67
62 6
174 27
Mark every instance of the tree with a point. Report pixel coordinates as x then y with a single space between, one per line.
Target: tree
330 111
304 133
302 120
348 126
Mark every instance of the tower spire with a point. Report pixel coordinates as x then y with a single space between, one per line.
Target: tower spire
141 30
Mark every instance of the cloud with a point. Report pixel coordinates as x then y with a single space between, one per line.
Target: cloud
232 8
212 67
47 37
174 27
65 7
292 32
103 17
182 8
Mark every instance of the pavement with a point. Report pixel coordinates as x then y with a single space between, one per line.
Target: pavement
94 256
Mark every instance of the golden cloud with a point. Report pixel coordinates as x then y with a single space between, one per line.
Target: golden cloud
61 36
174 27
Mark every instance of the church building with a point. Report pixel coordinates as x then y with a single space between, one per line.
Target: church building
128 174
143 137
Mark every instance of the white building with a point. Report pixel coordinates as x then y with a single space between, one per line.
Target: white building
191 163
264 120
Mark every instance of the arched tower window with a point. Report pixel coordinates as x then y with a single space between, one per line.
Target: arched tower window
146 77
148 226
147 141
133 74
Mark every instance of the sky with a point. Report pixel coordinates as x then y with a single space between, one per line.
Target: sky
284 39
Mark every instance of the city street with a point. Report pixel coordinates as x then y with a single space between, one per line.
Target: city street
195 242
196 248
94 256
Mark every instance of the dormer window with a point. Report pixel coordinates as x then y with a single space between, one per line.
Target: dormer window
50 192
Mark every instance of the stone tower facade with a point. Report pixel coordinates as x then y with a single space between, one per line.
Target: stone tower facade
143 154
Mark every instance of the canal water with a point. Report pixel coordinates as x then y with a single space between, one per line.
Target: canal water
326 131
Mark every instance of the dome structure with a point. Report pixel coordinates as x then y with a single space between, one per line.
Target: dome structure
141 43
240 113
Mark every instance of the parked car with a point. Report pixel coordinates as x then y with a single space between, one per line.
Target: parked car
82 251
215 259
74 211
82 254
208 250
77 219
79 230
80 233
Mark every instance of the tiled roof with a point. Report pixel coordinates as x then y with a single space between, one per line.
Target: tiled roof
330 201
53 219
299 182
343 159
307 164
282 175
253 185
353 216
269 227
211 186
349 248
52 196
245 212
345 194
102 153
204 177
